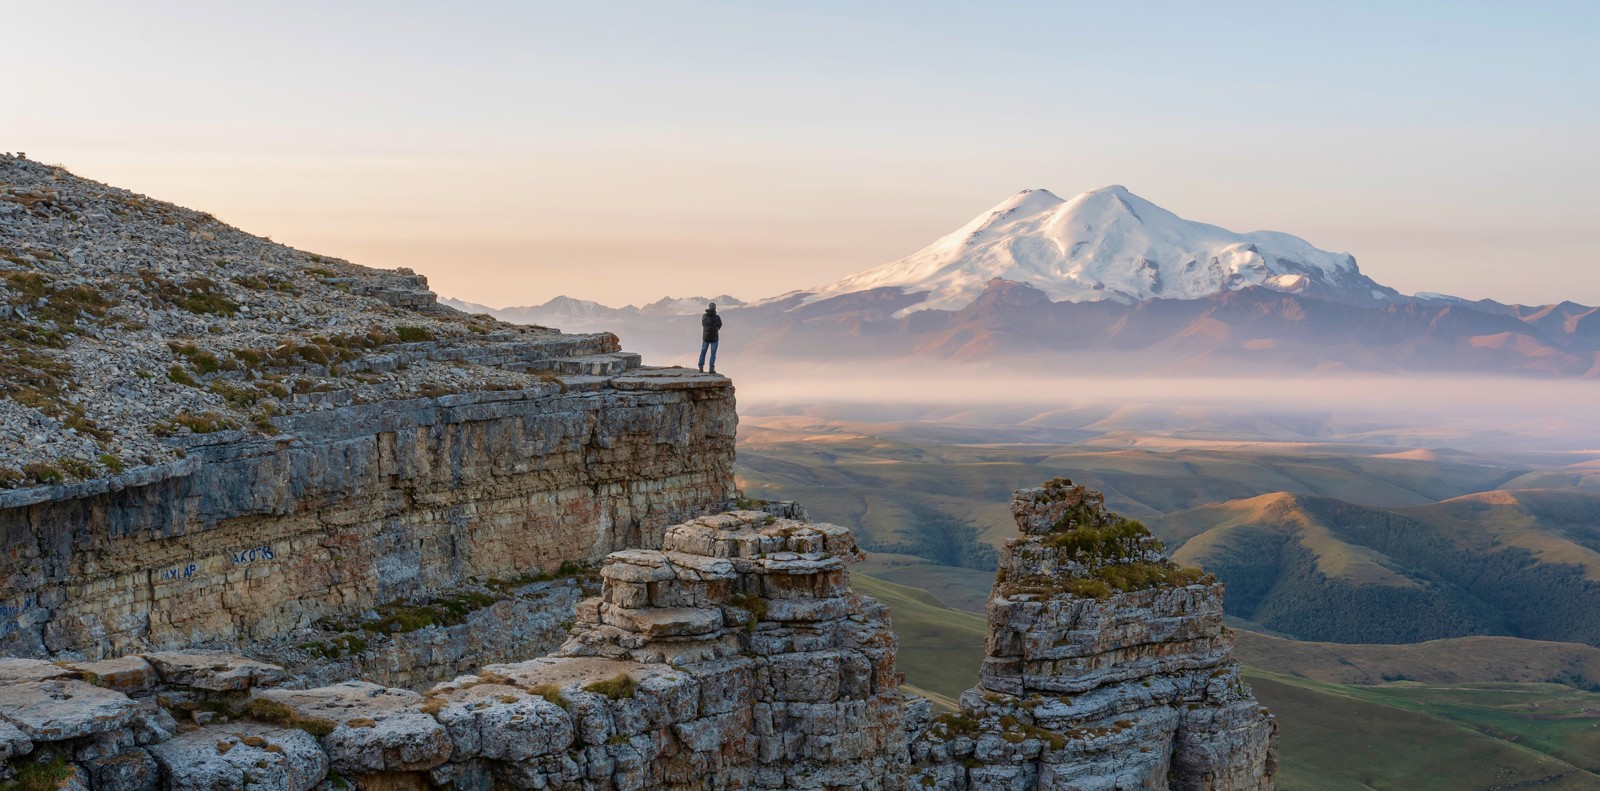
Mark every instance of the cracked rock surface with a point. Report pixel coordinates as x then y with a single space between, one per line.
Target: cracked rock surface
125 320
733 656
213 443
1108 667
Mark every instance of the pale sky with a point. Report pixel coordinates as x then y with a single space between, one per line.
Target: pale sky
513 151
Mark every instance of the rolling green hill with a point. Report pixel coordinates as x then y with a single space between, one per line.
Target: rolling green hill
1456 660
1461 734
1414 737
959 588
889 481
1361 538
1506 563
940 648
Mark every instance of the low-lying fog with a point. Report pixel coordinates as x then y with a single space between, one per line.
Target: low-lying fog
1413 411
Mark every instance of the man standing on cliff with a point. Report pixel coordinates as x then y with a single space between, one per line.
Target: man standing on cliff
710 323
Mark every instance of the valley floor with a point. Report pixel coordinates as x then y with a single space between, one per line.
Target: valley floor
1397 736
1386 577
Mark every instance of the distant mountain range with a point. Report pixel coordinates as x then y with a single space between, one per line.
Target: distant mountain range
1110 275
590 316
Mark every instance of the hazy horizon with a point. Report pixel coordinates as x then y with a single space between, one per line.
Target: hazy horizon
1410 411
513 152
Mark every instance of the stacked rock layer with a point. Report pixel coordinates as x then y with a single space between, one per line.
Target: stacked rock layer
1108 668
734 657
207 437
351 508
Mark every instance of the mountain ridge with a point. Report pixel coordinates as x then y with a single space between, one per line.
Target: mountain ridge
1109 244
1110 274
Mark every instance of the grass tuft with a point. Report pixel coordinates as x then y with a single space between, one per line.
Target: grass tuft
197 423
410 334
618 687
277 713
551 693
41 776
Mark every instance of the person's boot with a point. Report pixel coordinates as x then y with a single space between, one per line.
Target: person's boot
713 369
702 369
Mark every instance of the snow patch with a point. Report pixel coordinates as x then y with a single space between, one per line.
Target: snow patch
1107 243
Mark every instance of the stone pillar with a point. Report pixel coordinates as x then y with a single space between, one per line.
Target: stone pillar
1107 667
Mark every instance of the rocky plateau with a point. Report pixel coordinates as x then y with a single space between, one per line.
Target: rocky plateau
276 521
735 656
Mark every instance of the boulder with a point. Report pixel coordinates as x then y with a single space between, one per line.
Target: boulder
375 729
214 671
14 670
504 723
133 770
241 756
130 675
13 742
62 709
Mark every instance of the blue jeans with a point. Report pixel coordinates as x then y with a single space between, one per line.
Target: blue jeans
712 345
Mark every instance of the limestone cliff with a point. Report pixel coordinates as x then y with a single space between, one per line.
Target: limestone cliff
257 506
1108 667
352 508
734 656
209 438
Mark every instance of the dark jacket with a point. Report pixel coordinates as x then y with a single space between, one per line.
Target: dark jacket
709 324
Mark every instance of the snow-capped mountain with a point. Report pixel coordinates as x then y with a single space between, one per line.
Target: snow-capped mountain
688 306
1109 244
560 311
1109 278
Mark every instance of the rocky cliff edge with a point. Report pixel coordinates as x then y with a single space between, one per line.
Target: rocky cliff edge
1107 667
735 656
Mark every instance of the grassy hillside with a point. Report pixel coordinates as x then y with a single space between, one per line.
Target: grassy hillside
940 648
886 479
1507 563
1458 660
1420 738
1556 526
1335 737
959 588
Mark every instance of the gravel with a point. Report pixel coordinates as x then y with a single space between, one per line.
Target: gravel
127 324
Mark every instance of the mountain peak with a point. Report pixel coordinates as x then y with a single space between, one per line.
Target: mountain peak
1026 203
1105 204
1109 244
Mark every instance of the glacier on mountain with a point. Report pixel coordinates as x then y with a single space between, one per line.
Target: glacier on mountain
1109 244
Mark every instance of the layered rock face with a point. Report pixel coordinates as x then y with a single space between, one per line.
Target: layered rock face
755 668
354 507
733 657
207 437
1108 668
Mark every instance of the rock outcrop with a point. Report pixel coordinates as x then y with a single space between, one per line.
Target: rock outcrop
733 657
1108 667
209 440
207 437
354 508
